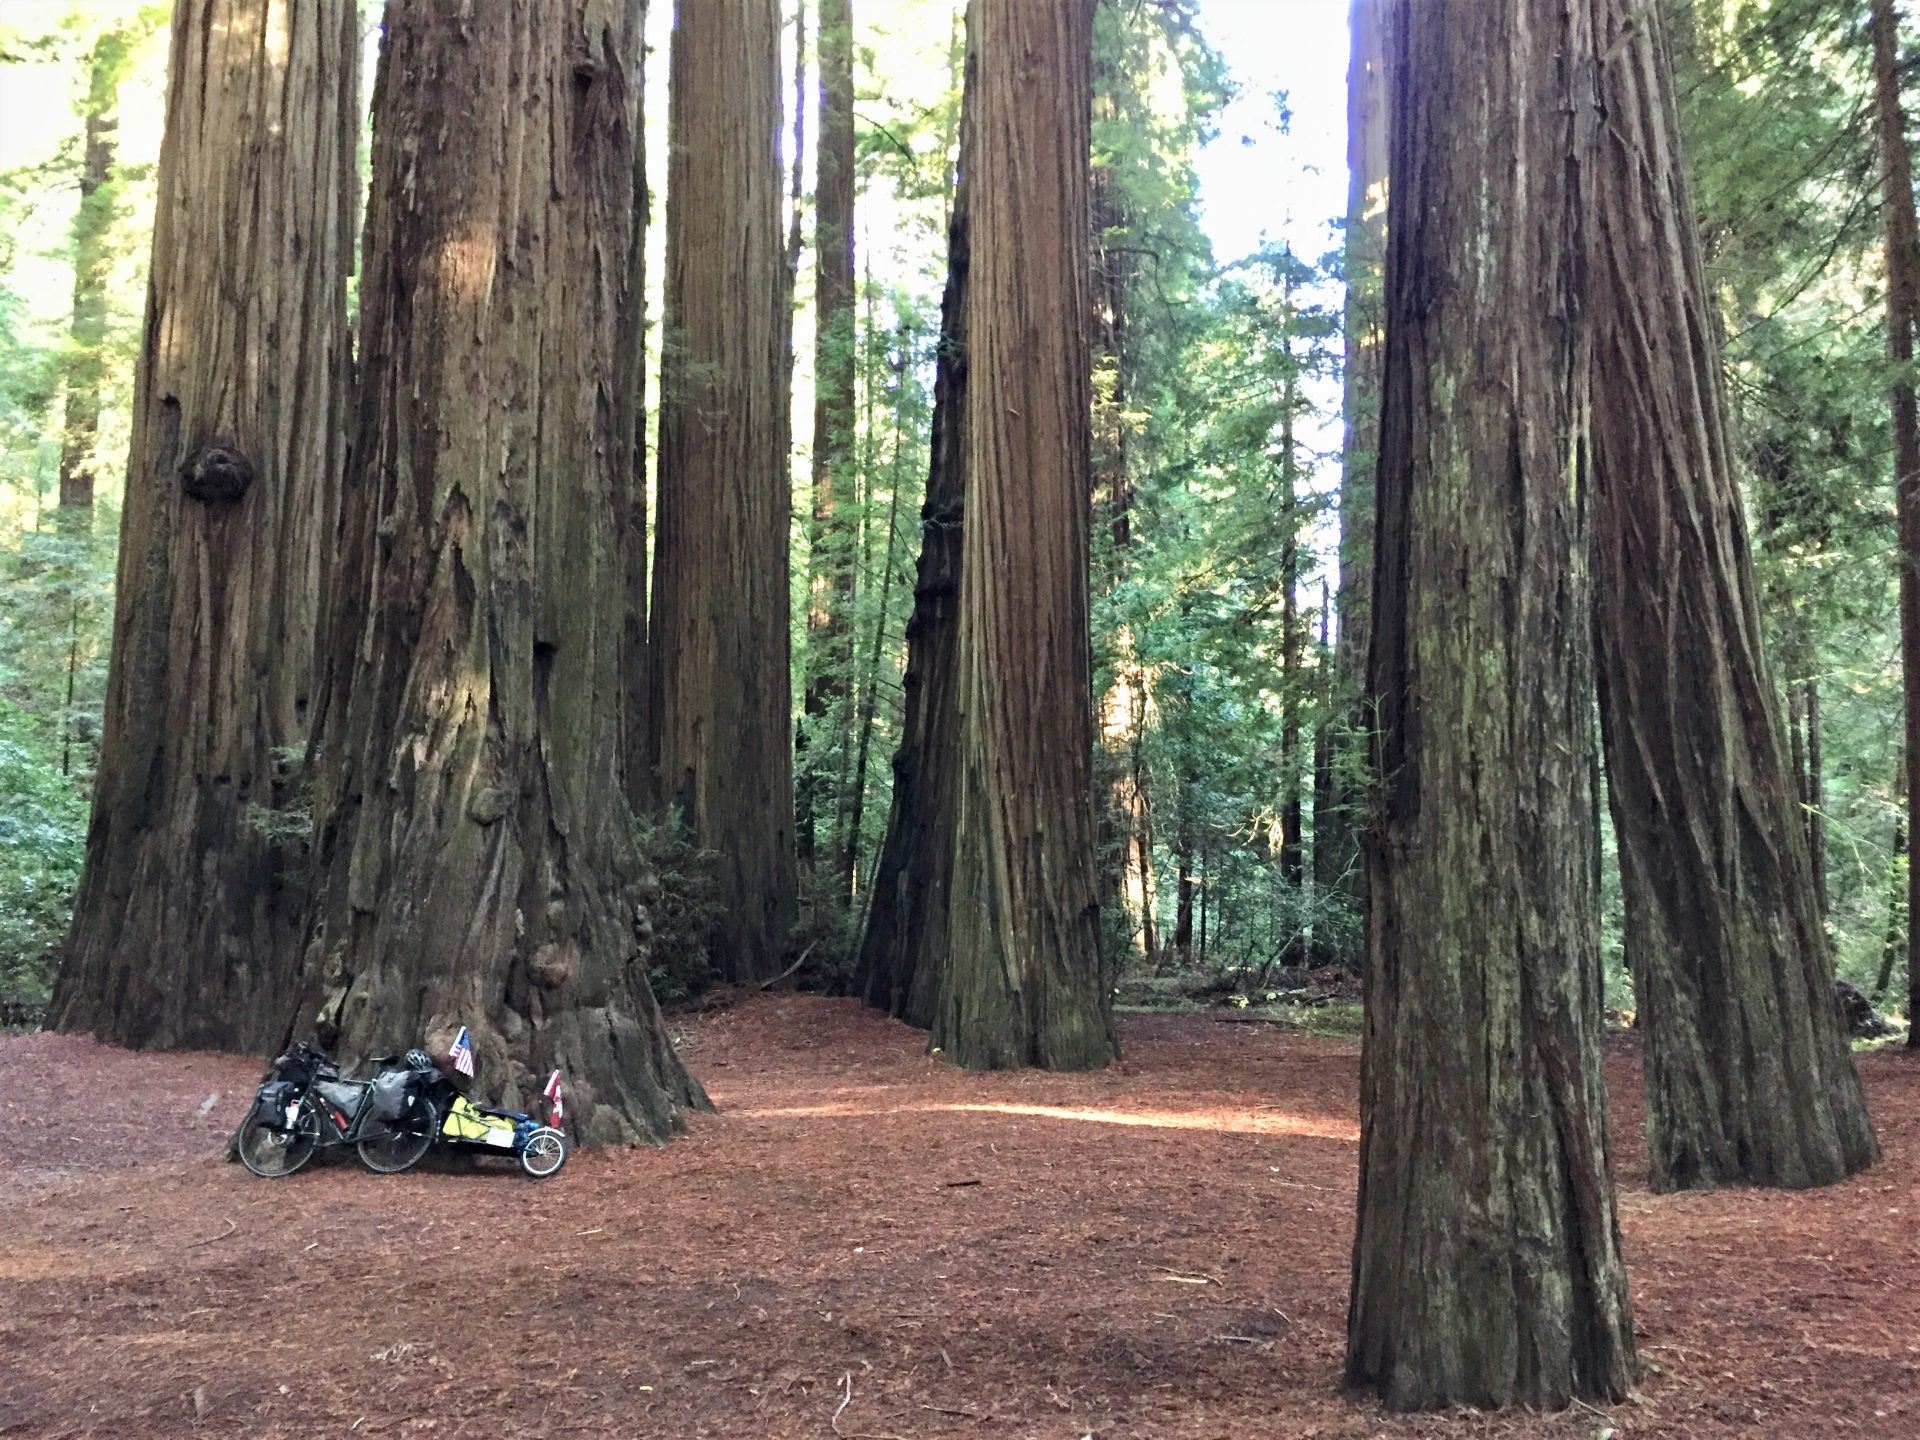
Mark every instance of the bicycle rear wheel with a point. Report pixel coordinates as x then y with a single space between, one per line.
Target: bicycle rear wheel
274 1153
388 1147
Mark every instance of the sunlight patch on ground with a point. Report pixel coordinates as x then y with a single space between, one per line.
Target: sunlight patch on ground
1223 1121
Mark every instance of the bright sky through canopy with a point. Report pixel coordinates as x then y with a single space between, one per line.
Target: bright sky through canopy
1253 178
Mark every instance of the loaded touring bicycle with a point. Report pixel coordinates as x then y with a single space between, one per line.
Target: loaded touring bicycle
391 1119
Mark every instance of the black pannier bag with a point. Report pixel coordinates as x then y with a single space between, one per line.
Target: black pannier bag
393 1094
271 1103
341 1096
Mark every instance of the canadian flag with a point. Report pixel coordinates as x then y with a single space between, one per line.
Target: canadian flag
557 1098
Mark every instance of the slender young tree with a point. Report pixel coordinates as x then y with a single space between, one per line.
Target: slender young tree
1487 1267
1903 314
724 756
903 944
830 545
92 226
1337 805
186 926
1023 982
477 864
1748 1072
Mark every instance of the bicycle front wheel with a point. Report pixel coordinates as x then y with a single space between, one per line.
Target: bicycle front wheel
274 1152
388 1147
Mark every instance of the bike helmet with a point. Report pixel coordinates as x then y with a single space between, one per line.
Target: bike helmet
418 1059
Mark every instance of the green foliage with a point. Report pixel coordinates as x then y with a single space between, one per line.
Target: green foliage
43 821
682 898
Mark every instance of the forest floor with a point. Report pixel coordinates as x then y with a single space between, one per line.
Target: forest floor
863 1242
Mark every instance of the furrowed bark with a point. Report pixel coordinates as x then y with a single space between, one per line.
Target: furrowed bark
187 924
1023 982
476 856
1748 1072
1487 1267
719 643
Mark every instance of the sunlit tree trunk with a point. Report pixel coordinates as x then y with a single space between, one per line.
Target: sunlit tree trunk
1340 801
476 860
1023 982
1487 1267
719 642
186 927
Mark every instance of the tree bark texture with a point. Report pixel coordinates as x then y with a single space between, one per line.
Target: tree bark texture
719 639
1903 313
476 855
186 926
1023 982
1340 803
1748 1072
1487 1267
903 944
830 543
630 496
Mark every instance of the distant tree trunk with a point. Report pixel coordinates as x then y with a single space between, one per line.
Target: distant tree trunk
796 193
1748 1073
1893 945
1483 1135
630 493
1339 807
1023 982
1125 866
1903 313
1183 901
187 924
719 644
1323 731
904 941
1292 843
830 578
87 332
475 856
866 697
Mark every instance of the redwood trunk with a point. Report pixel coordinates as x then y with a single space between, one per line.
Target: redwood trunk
830 578
630 495
1487 1267
722 724
1023 982
1748 1073
1903 313
187 924
476 858
904 942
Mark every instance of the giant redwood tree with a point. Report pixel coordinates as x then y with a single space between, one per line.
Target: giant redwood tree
1487 1267
186 927
1023 983
719 642
903 944
1748 1071
476 859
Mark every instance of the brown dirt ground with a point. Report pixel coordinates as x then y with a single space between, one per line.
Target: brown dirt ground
1156 1251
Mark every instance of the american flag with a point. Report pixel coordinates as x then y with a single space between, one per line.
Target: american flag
556 1096
462 1053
